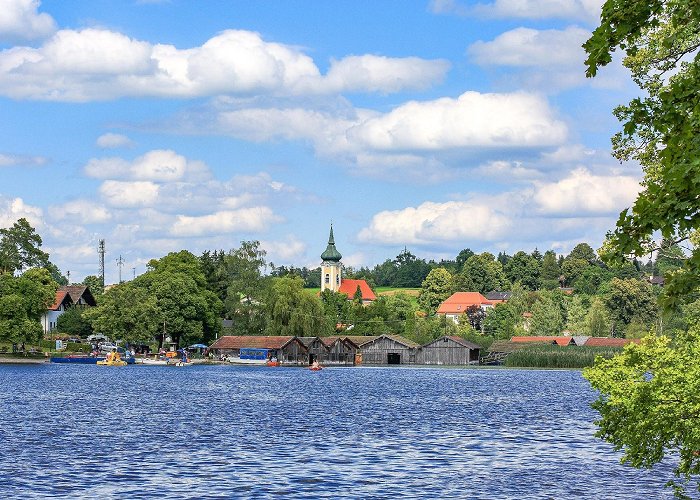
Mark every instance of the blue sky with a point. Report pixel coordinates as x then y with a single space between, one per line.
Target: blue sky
435 125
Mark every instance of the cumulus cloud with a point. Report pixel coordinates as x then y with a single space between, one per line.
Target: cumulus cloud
97 64
584 10
157 165
432 222
11 160
81 211
473 120
21 20
285 252
129 194
584 193
580 202
112 141
12 209
530 47
545 59
246 219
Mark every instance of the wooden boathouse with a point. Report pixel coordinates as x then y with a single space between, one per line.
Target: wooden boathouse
288 350
330 350
386 350
449 350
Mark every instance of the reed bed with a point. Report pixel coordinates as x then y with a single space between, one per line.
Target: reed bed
553 356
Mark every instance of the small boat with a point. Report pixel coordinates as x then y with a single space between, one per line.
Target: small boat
315 368
112 362
273 363
77 359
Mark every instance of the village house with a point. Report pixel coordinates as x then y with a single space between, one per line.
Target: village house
66 297
459 302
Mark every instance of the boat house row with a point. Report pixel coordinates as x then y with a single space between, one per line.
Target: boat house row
353 350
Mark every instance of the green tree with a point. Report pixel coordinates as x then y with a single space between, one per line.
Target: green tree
500 322
648 403
435 289
550 271
336 307
481 273
410 271
630 300
524 269
23 299
73 322
576 312
94 283
583 251
402 314
462 257
660 130
246 288
20 248
597 319
127 312
291 310
548 314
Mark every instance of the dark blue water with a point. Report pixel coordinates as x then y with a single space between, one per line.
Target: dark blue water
222 431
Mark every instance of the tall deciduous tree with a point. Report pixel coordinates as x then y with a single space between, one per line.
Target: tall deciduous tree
23 299
435 289
291 310
481 273
660 39
550 271
630 300
524 269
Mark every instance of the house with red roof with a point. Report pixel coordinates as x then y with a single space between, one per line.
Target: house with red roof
332 275
459 302
66 297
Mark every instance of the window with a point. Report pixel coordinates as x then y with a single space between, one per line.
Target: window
337 280
328 278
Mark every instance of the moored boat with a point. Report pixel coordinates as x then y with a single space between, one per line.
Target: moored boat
77 359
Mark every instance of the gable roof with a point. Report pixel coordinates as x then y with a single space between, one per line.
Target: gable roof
62 297
78 292
396 338
499 296
360 340
253 341
459 302
349 287
609 342
560 340
459 340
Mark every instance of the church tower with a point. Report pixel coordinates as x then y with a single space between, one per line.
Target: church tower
331 266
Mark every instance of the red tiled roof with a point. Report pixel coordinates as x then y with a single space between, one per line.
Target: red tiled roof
349 287
61 297
609 342
561 340
459 302
252 341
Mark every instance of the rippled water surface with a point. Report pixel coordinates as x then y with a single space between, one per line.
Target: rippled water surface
79 431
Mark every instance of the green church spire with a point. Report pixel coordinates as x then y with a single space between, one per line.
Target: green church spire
331 254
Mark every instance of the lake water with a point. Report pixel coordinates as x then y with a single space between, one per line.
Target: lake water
85 431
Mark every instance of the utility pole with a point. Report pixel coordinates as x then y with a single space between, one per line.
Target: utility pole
101 251
134 270
120 264
68 276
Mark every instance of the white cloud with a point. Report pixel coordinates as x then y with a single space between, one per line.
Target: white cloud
20 20
157 166
530 47
12 209
384 74
112 141
284 252
473 120
16 160
584 193
80 211
434 222
97 64
255 219
129 194
447 7
579 204
584 10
